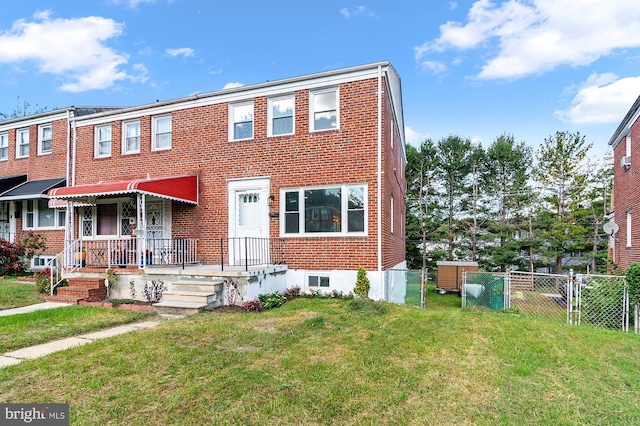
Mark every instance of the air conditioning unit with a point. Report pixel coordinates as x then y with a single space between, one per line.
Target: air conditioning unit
625 161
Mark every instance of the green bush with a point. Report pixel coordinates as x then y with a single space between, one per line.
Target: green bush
272 300
43 281
362 284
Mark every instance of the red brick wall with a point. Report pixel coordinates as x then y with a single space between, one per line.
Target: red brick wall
626 194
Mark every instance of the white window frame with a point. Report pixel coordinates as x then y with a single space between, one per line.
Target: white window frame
344 221
232 122
41 139
312 112
393 207
155 133
628 145
319 276
270 116
98 141
124 137
629 228
59 220
19 145
4 146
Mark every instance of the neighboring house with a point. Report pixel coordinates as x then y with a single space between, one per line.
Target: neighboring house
306 173
625 142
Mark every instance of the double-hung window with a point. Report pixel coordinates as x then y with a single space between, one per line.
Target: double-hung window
241 121
103 141
22 143
324 110
37 214
45 139
330 210
131 137
161 132
280 116
4 146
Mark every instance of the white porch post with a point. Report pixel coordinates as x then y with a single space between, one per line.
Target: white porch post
142 230
68 234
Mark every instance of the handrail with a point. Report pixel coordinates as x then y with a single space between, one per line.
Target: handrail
63 263
251 251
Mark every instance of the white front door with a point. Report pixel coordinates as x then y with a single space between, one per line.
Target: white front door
249 222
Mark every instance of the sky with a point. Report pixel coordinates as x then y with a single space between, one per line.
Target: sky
477 69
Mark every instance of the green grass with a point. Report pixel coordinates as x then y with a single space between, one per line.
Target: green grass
22 330
324 362
15 295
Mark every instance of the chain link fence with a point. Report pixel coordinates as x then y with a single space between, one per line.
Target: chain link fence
405 286
598 300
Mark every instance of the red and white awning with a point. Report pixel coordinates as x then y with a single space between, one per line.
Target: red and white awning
178 188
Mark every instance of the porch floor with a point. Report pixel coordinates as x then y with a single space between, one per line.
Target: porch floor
204 270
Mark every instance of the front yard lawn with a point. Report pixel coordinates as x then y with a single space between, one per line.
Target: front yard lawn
14 294
33 328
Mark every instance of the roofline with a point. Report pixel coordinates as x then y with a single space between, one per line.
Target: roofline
238 90
625 125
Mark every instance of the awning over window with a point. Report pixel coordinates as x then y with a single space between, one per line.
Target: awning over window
32 189
10 182
180 188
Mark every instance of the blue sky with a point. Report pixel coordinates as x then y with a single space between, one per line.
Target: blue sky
473 68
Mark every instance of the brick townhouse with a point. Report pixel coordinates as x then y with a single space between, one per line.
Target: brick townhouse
625 242
303 175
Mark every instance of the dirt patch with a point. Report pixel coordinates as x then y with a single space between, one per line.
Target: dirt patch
228 309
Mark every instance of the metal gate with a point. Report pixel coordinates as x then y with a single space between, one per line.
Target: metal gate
598 300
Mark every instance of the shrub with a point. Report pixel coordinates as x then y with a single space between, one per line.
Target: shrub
43 281
292 292
633 281
231 292
254 305
362 284
272 300
153 291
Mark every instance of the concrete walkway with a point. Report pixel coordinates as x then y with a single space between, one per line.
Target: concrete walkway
31 308
17 356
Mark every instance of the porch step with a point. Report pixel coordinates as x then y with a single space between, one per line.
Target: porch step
204 297
80 288
175 307
63 299
208 286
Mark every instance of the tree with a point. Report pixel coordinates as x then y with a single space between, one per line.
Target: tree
21 110
561 171
505 181
454 166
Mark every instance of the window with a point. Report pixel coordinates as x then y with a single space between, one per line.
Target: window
241 121
281 116
318 281
45 139
392 213
37 214
321 211
628 229
628 145
103 141
161 133
22 143
107 219
131 138
4 146
324 110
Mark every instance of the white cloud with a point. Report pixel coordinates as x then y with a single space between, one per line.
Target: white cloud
531 37
453 5
413 137
132 3
83 61
184 51
435 66
603 98
232 85
358 11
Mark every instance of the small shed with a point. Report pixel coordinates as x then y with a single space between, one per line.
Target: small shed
450 274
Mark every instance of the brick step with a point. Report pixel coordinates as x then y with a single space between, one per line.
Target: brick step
63 299
83 292
86 282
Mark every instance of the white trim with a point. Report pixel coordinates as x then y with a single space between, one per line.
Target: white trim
629 228
270 117
124 137
259 185
18 145
232 122
32 121
319 275
628 145
312 121
96 143
154 132
41 128
379 185
36 221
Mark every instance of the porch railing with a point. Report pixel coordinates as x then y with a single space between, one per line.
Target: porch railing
63 263
249 251
125 252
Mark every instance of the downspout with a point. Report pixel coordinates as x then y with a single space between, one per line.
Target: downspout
380 274
68 145
73 163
